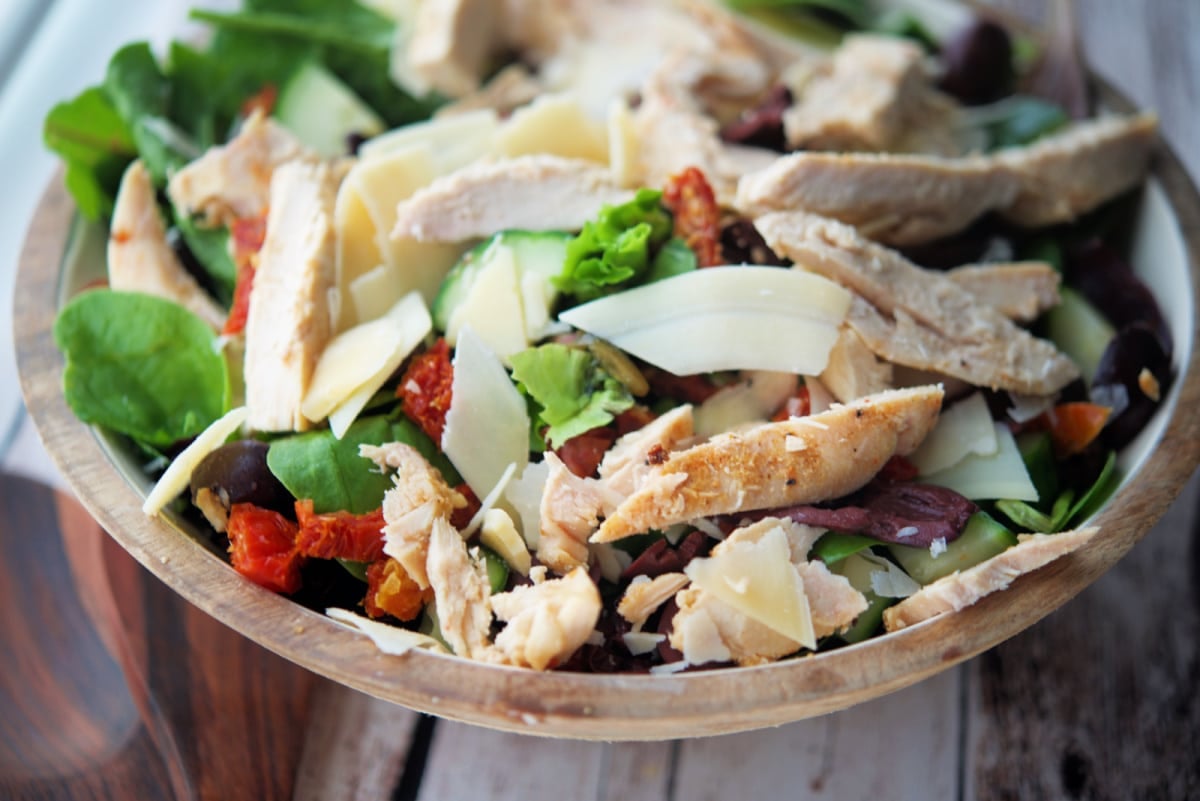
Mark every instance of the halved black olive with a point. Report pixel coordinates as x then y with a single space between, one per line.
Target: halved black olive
1133 376
978 63
237 472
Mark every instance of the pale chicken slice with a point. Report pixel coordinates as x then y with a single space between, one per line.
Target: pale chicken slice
293 302
893 199
635 454
853 370
569 512
234 180
960 590
643 596
873 95
547 622
419 496
916 317
453 43
1021 291
508 89
534 193
461 592
139 258
800 460
1070 173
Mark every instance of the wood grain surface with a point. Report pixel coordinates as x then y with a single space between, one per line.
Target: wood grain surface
1100 700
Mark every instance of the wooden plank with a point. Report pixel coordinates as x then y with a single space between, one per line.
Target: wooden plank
637 772
357 747
903 745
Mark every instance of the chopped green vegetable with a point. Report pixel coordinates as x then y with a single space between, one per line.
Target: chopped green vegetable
141 366
96 145
615 250
1037 451
356 569
983 538
1016 120
833 547
1104 486
857 13
675 258
211 248
857 571
1028 518
1079 330
573 393
497 568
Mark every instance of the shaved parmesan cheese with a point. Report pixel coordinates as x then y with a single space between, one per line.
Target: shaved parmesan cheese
487 426
723 318
623 158
992 477
499 534
454 140
524 494
493 308
612 562
489 501
674 667
356 251
641 642
357 362
177 476
389 639
963 429
757 579
698 637
888 580
752 400
554 125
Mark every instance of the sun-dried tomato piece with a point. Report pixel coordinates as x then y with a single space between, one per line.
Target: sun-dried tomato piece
391 591
898 469
425 389
262 547
582 453
459 518
799 405
691 199
339 535
248 234
632 419
263 100
685 388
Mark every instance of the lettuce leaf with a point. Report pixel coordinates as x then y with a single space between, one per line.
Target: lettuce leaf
615 250
570 389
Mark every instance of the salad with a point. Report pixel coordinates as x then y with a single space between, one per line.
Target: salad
614 336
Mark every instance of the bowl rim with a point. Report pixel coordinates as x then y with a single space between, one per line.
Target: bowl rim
574 705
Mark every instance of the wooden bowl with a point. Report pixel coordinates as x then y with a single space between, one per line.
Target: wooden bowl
61 254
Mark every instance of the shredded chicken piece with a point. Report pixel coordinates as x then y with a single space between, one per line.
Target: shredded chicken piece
139 258
293 303
833 603
875 93
934 323
452 44
508 89
756 469
634 455
535 193
419 496
960 590
853 371
642 598
1072 172
461 593
570 511
234 180
1021 291
703 618
547 622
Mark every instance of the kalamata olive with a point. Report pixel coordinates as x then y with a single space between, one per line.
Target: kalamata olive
741 243
1133 376
762 125
978 63
1098 271
237 472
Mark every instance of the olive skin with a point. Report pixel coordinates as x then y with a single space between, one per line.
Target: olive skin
237 472
978 63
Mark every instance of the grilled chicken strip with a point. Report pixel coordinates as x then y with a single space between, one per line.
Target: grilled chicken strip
1021 291
292 303
234 179
547 622
800 460
918 318
960 590
534 193
139 258
569 512
460 591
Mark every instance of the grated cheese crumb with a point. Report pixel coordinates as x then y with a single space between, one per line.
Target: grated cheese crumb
792 444
937 547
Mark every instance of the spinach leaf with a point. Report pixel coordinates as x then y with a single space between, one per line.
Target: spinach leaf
95 143
210 247
141 366
316 465
572 391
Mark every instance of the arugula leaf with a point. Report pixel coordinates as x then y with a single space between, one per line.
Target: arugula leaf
141 366
96 144
572 392
614 250
316 465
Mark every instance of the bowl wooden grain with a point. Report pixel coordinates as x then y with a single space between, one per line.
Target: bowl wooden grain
55 263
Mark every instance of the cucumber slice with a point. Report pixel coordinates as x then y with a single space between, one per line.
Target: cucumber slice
857 571
322 111
497 568
982 539
1079 330
833 547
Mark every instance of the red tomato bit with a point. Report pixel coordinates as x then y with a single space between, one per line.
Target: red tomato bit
339 535
247 234
1073 426
391 591
262 547
690 198
898 469
582 453
459 518
799 405
425 389
263 100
